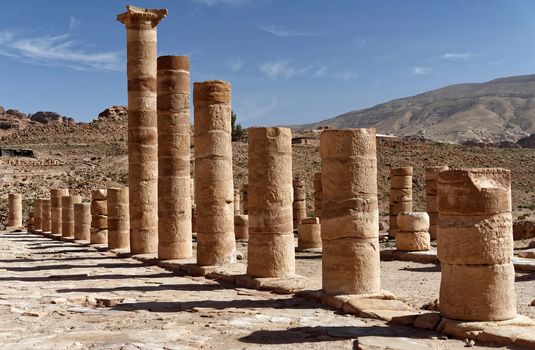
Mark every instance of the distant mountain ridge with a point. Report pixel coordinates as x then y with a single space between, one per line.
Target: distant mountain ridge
498 110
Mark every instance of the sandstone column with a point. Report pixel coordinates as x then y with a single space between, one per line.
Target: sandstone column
241 226
309 233
400 195
31 222
46 218
67 215
174 180
349 212
245 196
271 247
317 195
300 203
99 217
214 190
413 231
118 218
236 201
431 181
82 222
14 215
55 208
38 218
475 245
142 120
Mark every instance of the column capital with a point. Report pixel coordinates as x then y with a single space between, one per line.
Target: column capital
134 13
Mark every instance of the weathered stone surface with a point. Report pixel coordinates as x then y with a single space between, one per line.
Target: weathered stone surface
241 226
431 184
393 343
470 330
413 221
507 335
309 234
118 223
82 221
14 217
413 241
428 320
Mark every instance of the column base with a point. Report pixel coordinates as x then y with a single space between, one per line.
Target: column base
278 285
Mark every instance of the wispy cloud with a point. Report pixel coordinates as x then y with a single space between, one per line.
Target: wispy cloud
285 69
347 75
221 2
459 56
74 23
57 50
418 71
250 109
385 58
282 31
359 41
235 65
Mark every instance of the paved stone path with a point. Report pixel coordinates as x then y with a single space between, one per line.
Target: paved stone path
56 295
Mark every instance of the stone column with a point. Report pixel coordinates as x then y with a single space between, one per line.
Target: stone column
214 190
118 218
236 201
38 218
300 203
67 215
431 181
142 120
349 212
271 247
31 222
46 218
14 215
174 180
317 195
475 245
99 217
55 208
400 196
241 226
413 232
309 234
82 222
245 196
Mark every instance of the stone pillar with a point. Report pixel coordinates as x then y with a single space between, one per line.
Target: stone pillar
349 212
99 217
300 202
142 121
400 196
431 181
46 218
174 180
241 226
14 214
38 218
309 234
413 232
55 208
245 197
214 190
317 195
82 222
118 218
236 201
271 247
67 215
31 222
475 245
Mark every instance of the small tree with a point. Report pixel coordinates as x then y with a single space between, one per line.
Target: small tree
238 133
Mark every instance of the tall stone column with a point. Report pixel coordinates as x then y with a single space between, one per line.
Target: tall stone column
174 181
400 196
317 195
118 218
349 212
475 245
14 214
271 247
431 183
142 120
99 217
55 208
82 222
38 218
300 201
67 215
46 218
214 190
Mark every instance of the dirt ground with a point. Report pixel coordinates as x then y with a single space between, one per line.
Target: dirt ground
56 295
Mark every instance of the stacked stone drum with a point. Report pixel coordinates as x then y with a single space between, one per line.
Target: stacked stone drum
67 215
14 215
55 208
400 195
309 234
413 231
299 203
118 218
82 222
99 217
431 183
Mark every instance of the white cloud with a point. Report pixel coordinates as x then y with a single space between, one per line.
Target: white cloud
235 65
249 109
347 75
281 69
283 31
459 56
418 71
74 23
57 50
321 71
359 41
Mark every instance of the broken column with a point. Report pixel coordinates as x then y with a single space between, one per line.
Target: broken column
55 208
241 227
82 222
14 213
214 189
300 203
174 181
349 212
317 195
99 217
118 223
38 218
431 180
271 247
413 231
475 245
309 233
46 218
400 196
67 215
142 123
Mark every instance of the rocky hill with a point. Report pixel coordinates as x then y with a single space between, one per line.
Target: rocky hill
13 121
491 112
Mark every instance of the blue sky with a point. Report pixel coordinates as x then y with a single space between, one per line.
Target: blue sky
289 62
